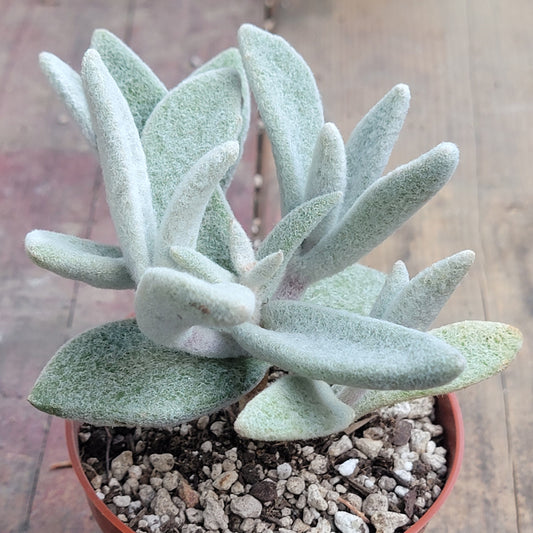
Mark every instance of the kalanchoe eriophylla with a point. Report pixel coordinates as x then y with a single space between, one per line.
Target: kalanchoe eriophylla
213 314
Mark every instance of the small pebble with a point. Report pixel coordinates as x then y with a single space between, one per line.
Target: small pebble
295 485
246 506
350 523
340 446
348 467
163 462
284 471
388 522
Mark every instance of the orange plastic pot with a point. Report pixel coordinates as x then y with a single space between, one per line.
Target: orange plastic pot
448 415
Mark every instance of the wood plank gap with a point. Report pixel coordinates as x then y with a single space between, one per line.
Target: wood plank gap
510 448
130 15
27 515
269 22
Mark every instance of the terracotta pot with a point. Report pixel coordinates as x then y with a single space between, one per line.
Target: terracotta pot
448 415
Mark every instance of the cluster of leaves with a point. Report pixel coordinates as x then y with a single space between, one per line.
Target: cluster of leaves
212 313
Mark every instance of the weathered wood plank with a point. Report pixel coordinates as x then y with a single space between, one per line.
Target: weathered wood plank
502 80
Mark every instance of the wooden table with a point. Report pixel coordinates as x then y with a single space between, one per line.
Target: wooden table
470 68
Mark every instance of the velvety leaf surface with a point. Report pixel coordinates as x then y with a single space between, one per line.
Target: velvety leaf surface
290 106
241 249
488 347
99 265
168 302
123 165
231 58
394 283
380 210
193 262
420 301
327 174
201 113
113 375
369 147
292 229
213 239
354 289
183 217
348 349
293 408
68 85
139 85
263 272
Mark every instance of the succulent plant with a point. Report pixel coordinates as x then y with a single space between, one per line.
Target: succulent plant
213 314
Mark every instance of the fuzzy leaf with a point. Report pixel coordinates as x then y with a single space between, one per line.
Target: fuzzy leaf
289 103
168 302
348 349
113 375
123 165
263 272
197 264
231 58
183 217
213 240
293 228
380 210
488 348
354 289
201 113
420 301
327 174
99 265
394 283
369 147
139 85
241 249
293 408
68 85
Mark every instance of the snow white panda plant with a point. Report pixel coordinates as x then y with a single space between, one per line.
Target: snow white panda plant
213 314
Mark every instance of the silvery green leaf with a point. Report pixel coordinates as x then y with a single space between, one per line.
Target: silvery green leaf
113 375
68 85
380 210
394 283
213 240
168 303
263 272
123 165
354 289
369 147
193 262
201 113
293 408
289 103
347 349
327 174
241 249
488 347
420 301
231 58
183 217
99 265
293 228
139 85
206 342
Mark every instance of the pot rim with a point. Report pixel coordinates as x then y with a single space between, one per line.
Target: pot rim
447 407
